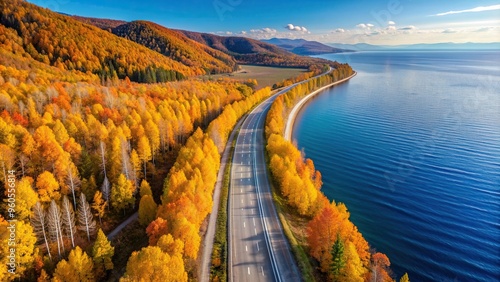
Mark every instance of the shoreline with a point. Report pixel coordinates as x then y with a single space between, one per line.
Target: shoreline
296 109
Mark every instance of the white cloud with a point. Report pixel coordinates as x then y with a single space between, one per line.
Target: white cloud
263 30
365 26
339 30
391 27
243 32
296 28
391 23
473 10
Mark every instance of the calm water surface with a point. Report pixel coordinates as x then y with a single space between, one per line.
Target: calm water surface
412 146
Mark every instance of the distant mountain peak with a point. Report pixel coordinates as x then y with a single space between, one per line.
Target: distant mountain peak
304 47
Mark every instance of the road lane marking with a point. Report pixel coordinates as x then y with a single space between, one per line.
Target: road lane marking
246 248
248 270
242 201
244 224
258 249
253 221
241 190
262 269
255 230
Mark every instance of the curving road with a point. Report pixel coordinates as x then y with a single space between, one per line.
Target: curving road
258 249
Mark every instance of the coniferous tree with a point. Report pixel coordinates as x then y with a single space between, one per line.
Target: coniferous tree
338 259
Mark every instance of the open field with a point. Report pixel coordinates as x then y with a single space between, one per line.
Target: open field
265 76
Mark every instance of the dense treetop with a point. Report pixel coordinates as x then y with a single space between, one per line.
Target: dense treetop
68 44
177 46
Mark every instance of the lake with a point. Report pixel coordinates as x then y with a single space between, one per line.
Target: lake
412 146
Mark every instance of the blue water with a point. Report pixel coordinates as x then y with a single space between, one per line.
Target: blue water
412 146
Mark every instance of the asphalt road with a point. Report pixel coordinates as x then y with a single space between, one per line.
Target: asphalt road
258 249
208 241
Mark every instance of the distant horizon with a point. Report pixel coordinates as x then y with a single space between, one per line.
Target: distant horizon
388 22
436 43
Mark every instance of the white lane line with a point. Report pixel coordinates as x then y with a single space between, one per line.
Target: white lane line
258 249
248 270
244 224
241 190
253 219
246 248
255 230
262 269
242 201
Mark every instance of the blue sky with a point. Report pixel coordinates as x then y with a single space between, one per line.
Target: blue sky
363 21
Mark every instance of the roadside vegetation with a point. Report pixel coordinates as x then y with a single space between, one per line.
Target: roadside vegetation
313 224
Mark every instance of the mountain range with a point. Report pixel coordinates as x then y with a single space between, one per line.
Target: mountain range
179 44
304 47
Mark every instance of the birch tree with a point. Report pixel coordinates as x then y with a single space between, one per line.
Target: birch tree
68 220
73 182
39 223
86 222
54 220
105 188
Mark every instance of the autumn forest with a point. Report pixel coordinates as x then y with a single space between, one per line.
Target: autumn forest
102 120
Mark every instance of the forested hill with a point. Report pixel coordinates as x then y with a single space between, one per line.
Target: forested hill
105 24
250 51
177 46
68 44
185 46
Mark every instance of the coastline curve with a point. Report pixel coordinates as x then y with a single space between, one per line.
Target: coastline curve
298 106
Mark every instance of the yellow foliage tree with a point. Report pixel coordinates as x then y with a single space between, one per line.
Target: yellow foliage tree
152 264
78 268
102 252
47 187
147 210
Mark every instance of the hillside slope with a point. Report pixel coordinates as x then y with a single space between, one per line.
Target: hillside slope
177 46
68 44
251 51
105 24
